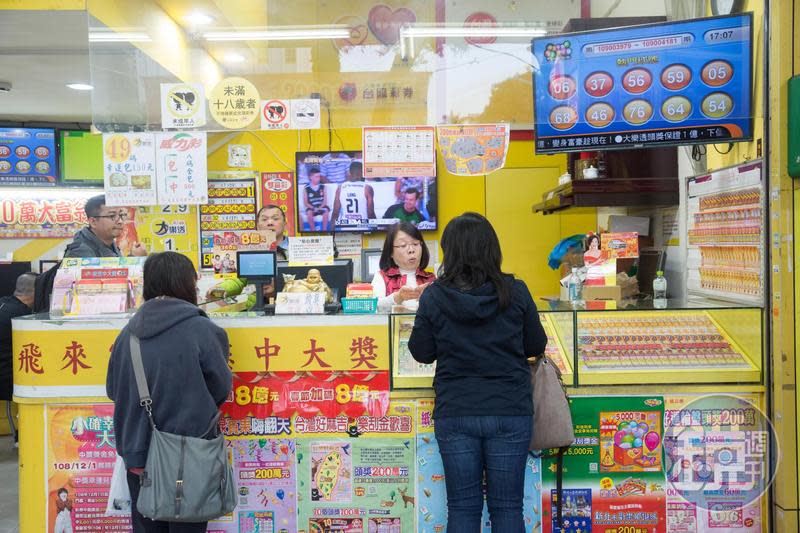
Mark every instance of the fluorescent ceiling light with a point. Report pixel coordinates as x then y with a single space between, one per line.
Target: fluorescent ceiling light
472 31
277 34
199 19
119 37
234 58
80 86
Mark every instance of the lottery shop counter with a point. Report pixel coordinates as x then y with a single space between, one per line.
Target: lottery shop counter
330 420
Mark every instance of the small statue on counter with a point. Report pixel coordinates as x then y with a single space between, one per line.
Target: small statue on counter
312 283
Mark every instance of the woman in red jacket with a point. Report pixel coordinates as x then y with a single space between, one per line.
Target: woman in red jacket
402 276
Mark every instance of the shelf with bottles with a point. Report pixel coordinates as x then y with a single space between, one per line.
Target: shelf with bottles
669 346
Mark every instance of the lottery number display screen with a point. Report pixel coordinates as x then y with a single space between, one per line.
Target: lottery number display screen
669 83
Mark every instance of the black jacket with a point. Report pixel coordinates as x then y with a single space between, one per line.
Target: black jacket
480 352
185 358
10 307
87 244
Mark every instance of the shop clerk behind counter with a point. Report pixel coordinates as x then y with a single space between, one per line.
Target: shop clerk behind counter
402 276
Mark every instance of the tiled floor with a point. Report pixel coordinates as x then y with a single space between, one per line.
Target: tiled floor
9 487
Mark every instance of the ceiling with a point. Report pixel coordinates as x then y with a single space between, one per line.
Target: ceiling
41 52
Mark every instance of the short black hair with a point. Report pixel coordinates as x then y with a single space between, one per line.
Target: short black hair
314 170
62 489
356 165
413 191
412 231
94 205
170 274
271 206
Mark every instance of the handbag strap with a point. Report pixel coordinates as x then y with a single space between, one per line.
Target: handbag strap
141 380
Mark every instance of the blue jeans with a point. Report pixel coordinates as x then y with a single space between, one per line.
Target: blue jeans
498 445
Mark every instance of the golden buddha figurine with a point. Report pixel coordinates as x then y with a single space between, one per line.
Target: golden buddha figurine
312 283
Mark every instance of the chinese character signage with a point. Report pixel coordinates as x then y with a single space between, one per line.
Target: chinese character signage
181 165
277 188
183 106
677 82
129 169
166 228
30 216
80 456
614 472
27 156
230 212
399 151
234 103
470 150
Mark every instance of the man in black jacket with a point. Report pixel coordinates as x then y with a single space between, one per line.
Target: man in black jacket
19 304
98 239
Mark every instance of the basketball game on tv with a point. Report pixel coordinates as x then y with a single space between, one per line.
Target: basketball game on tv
333 195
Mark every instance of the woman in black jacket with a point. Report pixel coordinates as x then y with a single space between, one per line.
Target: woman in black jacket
480 326
185 359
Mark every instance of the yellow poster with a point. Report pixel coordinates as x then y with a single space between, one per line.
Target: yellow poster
81 452
234 103
162 228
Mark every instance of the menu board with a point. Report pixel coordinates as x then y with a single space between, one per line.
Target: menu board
725 225
27 156
669 83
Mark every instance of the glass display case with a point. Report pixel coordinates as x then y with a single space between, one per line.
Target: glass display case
688 342
406 373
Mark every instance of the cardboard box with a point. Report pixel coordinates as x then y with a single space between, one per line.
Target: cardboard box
602 292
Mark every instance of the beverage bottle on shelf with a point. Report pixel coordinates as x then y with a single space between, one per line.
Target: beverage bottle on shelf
660 291
574 286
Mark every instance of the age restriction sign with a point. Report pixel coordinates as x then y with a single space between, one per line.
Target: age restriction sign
718 454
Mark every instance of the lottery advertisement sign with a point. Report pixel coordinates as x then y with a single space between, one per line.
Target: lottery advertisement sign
614 472
230 212
81 452
27 156
277 188
27 215
668 83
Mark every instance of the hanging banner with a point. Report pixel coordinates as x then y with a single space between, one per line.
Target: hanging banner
181 165
399 151
470 150
230 212
129 169
614 472
80 457
183 106
354 393
33 215
277 188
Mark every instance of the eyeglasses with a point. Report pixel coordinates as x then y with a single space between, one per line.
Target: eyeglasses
114 216
408 245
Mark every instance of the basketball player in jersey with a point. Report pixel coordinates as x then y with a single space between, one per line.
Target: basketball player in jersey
355 200
315 199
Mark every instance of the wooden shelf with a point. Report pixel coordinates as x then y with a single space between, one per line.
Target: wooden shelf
610 192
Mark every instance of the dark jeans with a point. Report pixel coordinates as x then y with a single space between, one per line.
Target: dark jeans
145 525
498 445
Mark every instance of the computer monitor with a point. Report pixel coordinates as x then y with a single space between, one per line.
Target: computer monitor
337 275
257 266
370 263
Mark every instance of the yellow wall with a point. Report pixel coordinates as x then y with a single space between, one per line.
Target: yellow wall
505 197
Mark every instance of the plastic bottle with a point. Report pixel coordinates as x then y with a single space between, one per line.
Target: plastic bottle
574 286
660 291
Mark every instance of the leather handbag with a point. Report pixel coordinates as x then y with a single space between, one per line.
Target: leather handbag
185 479
552 421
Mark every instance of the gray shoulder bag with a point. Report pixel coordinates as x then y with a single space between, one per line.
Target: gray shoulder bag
552 419
185 479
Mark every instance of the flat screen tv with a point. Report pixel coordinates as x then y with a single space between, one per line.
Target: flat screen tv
669 83
81 158
333 196
28 156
